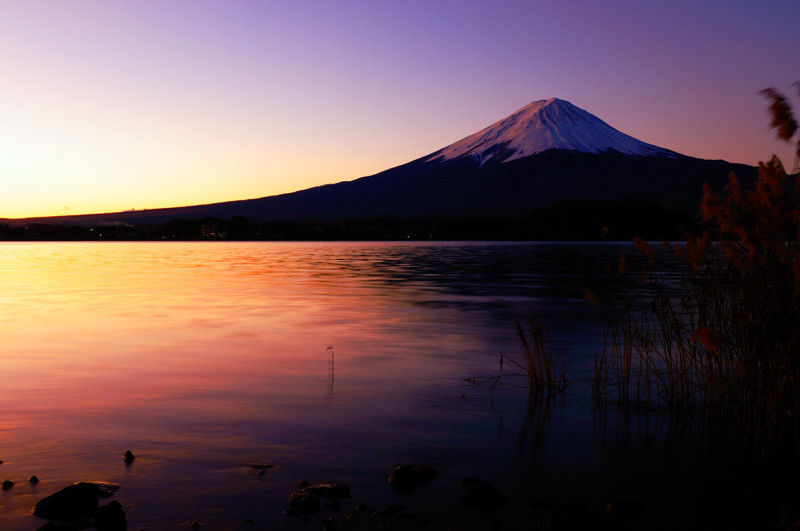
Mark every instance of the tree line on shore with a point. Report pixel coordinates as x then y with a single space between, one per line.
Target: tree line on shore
569 220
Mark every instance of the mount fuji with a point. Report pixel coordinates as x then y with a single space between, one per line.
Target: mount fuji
541 126
546 152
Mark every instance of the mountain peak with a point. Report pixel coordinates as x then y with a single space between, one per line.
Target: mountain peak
543 125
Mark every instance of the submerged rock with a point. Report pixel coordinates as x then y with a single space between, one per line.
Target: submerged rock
33 479
304 501
74 502
407 478
7 485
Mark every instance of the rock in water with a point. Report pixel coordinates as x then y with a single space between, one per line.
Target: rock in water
407 478
74 502
304 501
110 517
128 457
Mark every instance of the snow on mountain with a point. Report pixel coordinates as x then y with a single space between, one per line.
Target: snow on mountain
544 125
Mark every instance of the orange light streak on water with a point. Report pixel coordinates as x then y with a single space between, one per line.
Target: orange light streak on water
201 357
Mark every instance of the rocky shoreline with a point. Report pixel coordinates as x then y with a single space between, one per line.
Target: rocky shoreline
329 506
332 506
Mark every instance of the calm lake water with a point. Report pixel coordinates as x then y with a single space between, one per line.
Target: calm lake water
334 362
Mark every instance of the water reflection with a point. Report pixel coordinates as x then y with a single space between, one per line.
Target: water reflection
201 357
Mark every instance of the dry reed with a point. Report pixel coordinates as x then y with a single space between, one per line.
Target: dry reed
723 341
543 368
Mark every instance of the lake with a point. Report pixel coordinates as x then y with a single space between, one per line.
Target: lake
332 362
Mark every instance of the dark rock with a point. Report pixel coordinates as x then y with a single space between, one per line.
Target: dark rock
129 457
625 509
76 525
304 501
291 513
391 510
361 507
74 502
110 517
7 484
33 479
334 504
194 524
307 500
329 524
407 478
484 497
330 490
262 472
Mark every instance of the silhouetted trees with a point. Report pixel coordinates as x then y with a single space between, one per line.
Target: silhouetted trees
579 219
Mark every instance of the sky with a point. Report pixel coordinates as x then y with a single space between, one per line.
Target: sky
110 106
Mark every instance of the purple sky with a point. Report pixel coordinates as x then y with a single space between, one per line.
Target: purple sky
109 106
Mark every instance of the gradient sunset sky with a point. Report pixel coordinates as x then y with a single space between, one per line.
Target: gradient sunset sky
113 105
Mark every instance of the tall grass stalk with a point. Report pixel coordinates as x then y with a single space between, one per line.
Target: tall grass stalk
543 368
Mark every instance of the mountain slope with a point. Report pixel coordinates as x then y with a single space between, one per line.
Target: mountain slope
545 152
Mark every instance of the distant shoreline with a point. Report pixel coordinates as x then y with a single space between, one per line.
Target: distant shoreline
570 220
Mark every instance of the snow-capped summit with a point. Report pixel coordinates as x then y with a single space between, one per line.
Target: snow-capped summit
541 126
